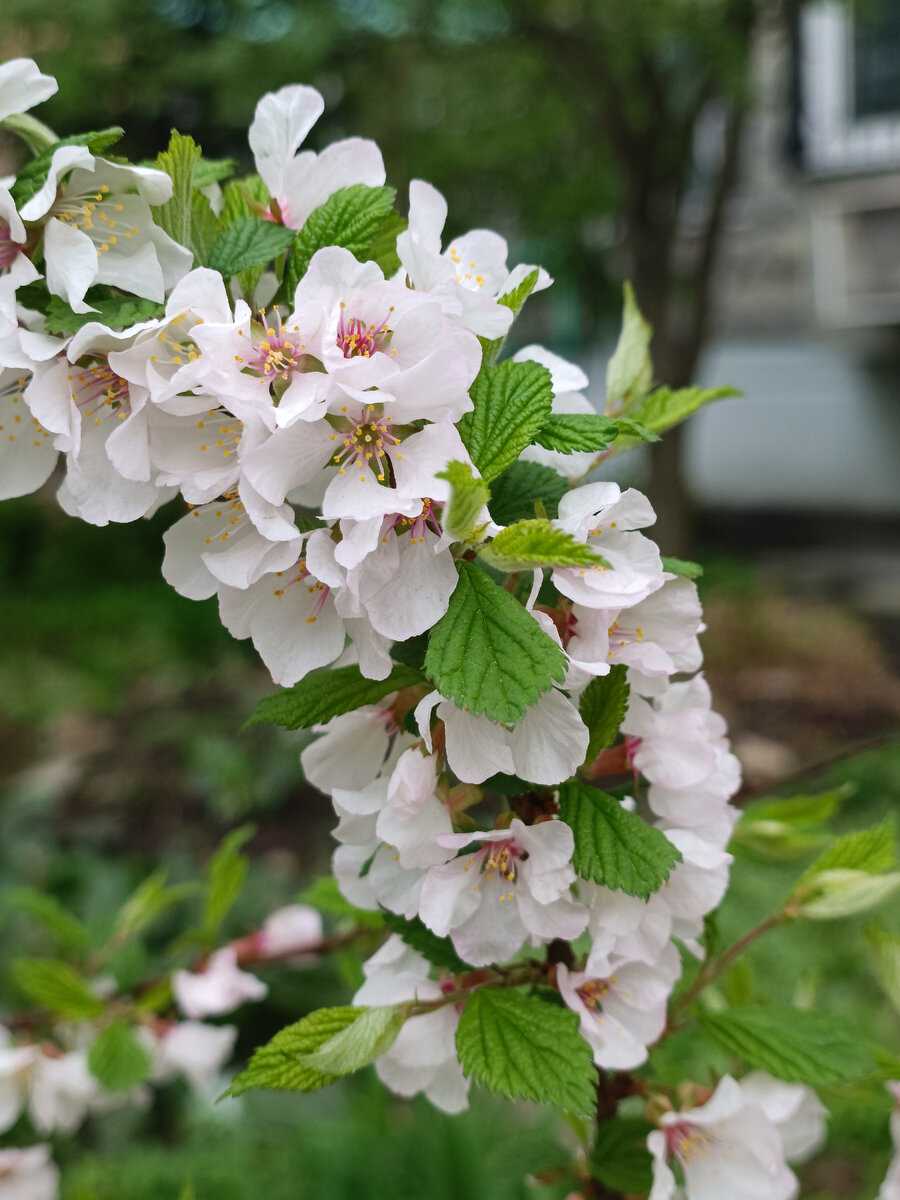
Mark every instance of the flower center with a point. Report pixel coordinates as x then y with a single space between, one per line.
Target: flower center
95 214
684 1140
368 443
298 574
9 250
99 392
592 992
502 859
414 526
356 339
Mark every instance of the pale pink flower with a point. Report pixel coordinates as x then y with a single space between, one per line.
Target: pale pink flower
220 988
28 1174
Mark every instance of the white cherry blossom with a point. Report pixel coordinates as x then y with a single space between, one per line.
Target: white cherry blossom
220 988
28 1173
516 886
726 1147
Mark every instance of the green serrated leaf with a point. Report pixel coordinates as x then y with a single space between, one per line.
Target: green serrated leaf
870 850
117 312
67 931
117 1060
791 1043
328 693
634 431
678 566
569 432
468 497
249 242
511 405
353 217
212 170
487 654
620 1157
278 1065
372 1033
613 846
242 197
33 175
516 491
227 873
521 1046
438 950
383 249
178 162
629 372
507 785
664 408
55 985
602 708
537 543
325 895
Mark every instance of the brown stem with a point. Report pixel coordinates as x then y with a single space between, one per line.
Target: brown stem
750 790
715 966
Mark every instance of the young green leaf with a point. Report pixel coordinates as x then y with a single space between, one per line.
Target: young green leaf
438 950
791 1043
468 497
537 543
514 299
178 162
116 312
327 693
354 217
212 170
568 432
629 372
66 930
205 228
842 892
516 491
522 1046
55 985
664 408
511 405
620 1158
870 850
678 566
279 1064
227 873
149 900
884 956
613 846
602 708
117 1060
487 654
372 1033
249 242
634 431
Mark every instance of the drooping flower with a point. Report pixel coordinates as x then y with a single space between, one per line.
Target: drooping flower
28 1174
220 988
726 1147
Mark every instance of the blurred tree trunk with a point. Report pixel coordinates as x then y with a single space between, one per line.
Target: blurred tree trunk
647 92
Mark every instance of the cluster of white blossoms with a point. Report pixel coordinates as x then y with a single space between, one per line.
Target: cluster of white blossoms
327 425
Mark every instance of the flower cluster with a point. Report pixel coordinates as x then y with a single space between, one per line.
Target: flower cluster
503 673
